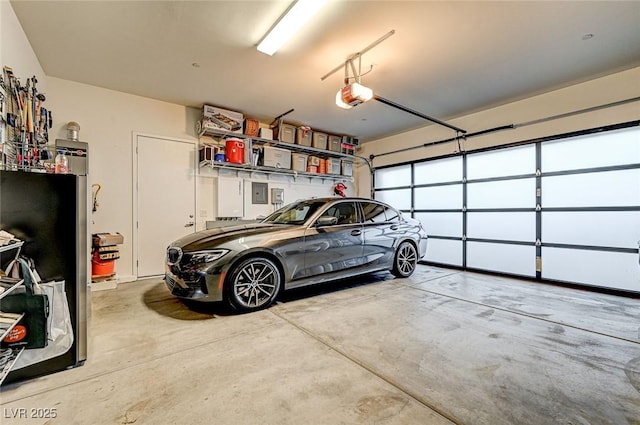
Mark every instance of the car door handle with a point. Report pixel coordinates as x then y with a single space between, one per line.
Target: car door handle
356 232
394 227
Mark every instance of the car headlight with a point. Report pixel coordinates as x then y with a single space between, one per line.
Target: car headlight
208 255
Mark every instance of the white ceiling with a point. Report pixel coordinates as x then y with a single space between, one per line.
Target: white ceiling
446 59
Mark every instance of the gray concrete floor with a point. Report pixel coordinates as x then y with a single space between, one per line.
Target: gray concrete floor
440 347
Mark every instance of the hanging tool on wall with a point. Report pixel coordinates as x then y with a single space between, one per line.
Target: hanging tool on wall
95 188
26 122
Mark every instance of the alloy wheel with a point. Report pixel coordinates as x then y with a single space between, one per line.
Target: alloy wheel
406 260
256 283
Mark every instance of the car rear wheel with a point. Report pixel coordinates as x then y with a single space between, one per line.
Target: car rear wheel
254 284
405 260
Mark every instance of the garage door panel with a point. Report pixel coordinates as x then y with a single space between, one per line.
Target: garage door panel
620 229
439 197
503 258
393 177
399 198
520 193
598 268
606 189
510 226
444 251
499 163
441 224
598 150
439 171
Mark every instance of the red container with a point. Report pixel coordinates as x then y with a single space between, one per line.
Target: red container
234 151
322 168
101 267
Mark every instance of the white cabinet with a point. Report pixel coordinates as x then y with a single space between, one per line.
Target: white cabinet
230 197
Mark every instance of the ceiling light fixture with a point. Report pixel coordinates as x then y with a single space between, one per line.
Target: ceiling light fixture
290 23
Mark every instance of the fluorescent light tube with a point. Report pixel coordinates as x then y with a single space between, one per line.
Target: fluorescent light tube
289 24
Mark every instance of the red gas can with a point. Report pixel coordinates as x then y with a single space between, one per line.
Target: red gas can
235 151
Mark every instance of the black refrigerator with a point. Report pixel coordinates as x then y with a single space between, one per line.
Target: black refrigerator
49 213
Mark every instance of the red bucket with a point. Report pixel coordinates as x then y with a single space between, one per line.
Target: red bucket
101 267
234 151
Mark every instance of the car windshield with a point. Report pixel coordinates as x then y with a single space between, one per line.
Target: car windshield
296 213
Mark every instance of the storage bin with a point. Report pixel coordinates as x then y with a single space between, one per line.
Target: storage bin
313 160
333 166
304 137
286 133
320 140
335 143
347 168
299 162
276 157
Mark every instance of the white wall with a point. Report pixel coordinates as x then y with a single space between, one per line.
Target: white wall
609 89
108 121
15 50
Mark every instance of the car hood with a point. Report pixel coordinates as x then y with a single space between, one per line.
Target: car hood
209 238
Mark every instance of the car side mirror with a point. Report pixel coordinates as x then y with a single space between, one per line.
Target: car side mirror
326 220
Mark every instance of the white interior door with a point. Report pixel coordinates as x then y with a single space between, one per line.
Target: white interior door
165 198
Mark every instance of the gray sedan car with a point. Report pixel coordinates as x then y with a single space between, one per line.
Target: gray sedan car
304 243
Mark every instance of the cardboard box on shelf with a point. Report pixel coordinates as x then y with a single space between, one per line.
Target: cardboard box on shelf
227 120
266 133
314 161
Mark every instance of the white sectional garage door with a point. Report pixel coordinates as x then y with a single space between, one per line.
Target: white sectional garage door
566 209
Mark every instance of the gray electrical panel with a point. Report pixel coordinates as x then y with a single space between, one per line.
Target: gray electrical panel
259 193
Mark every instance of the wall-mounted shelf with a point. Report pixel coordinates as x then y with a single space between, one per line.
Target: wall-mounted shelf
272 170
220 134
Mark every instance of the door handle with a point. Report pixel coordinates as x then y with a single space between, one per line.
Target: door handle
356 232
189 224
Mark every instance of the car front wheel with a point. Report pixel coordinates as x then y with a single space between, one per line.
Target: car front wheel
405 260
254 284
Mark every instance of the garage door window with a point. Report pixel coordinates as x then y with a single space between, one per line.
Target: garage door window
564 209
